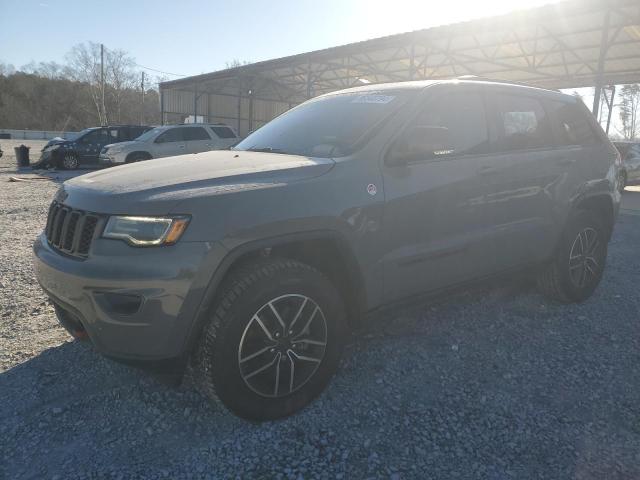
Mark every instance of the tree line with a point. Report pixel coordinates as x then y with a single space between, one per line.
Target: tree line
68 96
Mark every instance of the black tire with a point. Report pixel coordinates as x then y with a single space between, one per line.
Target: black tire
246 293
559 280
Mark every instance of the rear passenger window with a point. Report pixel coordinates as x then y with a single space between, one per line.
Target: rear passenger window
223 132
196 133
522 123
575 128
461 119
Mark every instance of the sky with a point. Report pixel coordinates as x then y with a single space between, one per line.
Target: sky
189 37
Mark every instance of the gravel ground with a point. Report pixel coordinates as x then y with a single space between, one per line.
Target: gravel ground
492 383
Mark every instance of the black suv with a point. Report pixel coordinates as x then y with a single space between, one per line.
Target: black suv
84 148
252 263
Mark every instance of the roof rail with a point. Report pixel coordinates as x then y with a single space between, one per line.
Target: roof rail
499 80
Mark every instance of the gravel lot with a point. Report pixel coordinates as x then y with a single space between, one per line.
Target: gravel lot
493 383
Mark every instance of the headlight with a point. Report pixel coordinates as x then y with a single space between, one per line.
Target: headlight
114 149
146 231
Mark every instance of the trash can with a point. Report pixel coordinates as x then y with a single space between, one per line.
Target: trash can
22 155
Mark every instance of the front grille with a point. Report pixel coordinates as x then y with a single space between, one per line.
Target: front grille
70 231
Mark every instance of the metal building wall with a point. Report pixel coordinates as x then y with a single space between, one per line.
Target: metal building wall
242 113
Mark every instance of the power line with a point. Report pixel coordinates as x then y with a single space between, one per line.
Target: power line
160 71
156 70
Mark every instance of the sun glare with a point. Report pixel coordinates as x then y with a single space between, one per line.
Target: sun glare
387 18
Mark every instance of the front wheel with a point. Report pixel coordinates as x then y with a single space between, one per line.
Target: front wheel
273 341
577 267
70 161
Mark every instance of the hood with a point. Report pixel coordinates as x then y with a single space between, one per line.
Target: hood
153 187
56 141
123 145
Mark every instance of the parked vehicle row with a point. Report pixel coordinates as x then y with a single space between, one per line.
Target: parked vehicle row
252 264
118 144
168 141
84 148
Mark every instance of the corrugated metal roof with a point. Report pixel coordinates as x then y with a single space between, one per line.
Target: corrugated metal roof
555 46
562 45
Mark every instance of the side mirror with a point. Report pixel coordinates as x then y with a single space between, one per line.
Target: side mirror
420 143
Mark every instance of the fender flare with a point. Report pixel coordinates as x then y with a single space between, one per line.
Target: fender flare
223 268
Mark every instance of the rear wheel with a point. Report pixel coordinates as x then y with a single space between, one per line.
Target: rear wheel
578 265
273 341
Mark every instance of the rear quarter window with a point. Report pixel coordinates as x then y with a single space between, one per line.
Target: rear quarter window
574 126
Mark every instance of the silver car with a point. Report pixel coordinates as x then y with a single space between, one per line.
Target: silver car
630 152
169 141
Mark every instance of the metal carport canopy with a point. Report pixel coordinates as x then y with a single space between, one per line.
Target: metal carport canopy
575 43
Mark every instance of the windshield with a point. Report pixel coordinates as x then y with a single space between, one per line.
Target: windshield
82 133
331 126
149 134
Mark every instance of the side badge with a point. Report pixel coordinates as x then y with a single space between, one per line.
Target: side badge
372 189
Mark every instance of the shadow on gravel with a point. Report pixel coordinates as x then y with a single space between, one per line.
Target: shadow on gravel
493 382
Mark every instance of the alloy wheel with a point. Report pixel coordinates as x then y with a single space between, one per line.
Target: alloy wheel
583 264
282 345
70 161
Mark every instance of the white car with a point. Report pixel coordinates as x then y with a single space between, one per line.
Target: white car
169 141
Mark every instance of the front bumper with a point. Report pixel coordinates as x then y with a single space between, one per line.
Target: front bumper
134 304
108 160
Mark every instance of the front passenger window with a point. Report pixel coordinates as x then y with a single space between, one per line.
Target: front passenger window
452 125
171 135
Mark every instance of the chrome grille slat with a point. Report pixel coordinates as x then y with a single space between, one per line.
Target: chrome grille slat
70 231
57 228
78 233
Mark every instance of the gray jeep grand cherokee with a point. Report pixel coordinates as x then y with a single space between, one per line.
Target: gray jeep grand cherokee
252 264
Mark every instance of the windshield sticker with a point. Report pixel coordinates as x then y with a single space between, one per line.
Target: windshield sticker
373 99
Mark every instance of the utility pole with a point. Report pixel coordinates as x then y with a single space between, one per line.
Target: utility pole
142 102
104 113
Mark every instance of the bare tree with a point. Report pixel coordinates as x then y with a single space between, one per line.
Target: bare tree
235 63
7 69
50 70
83 65
630 111
120 77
